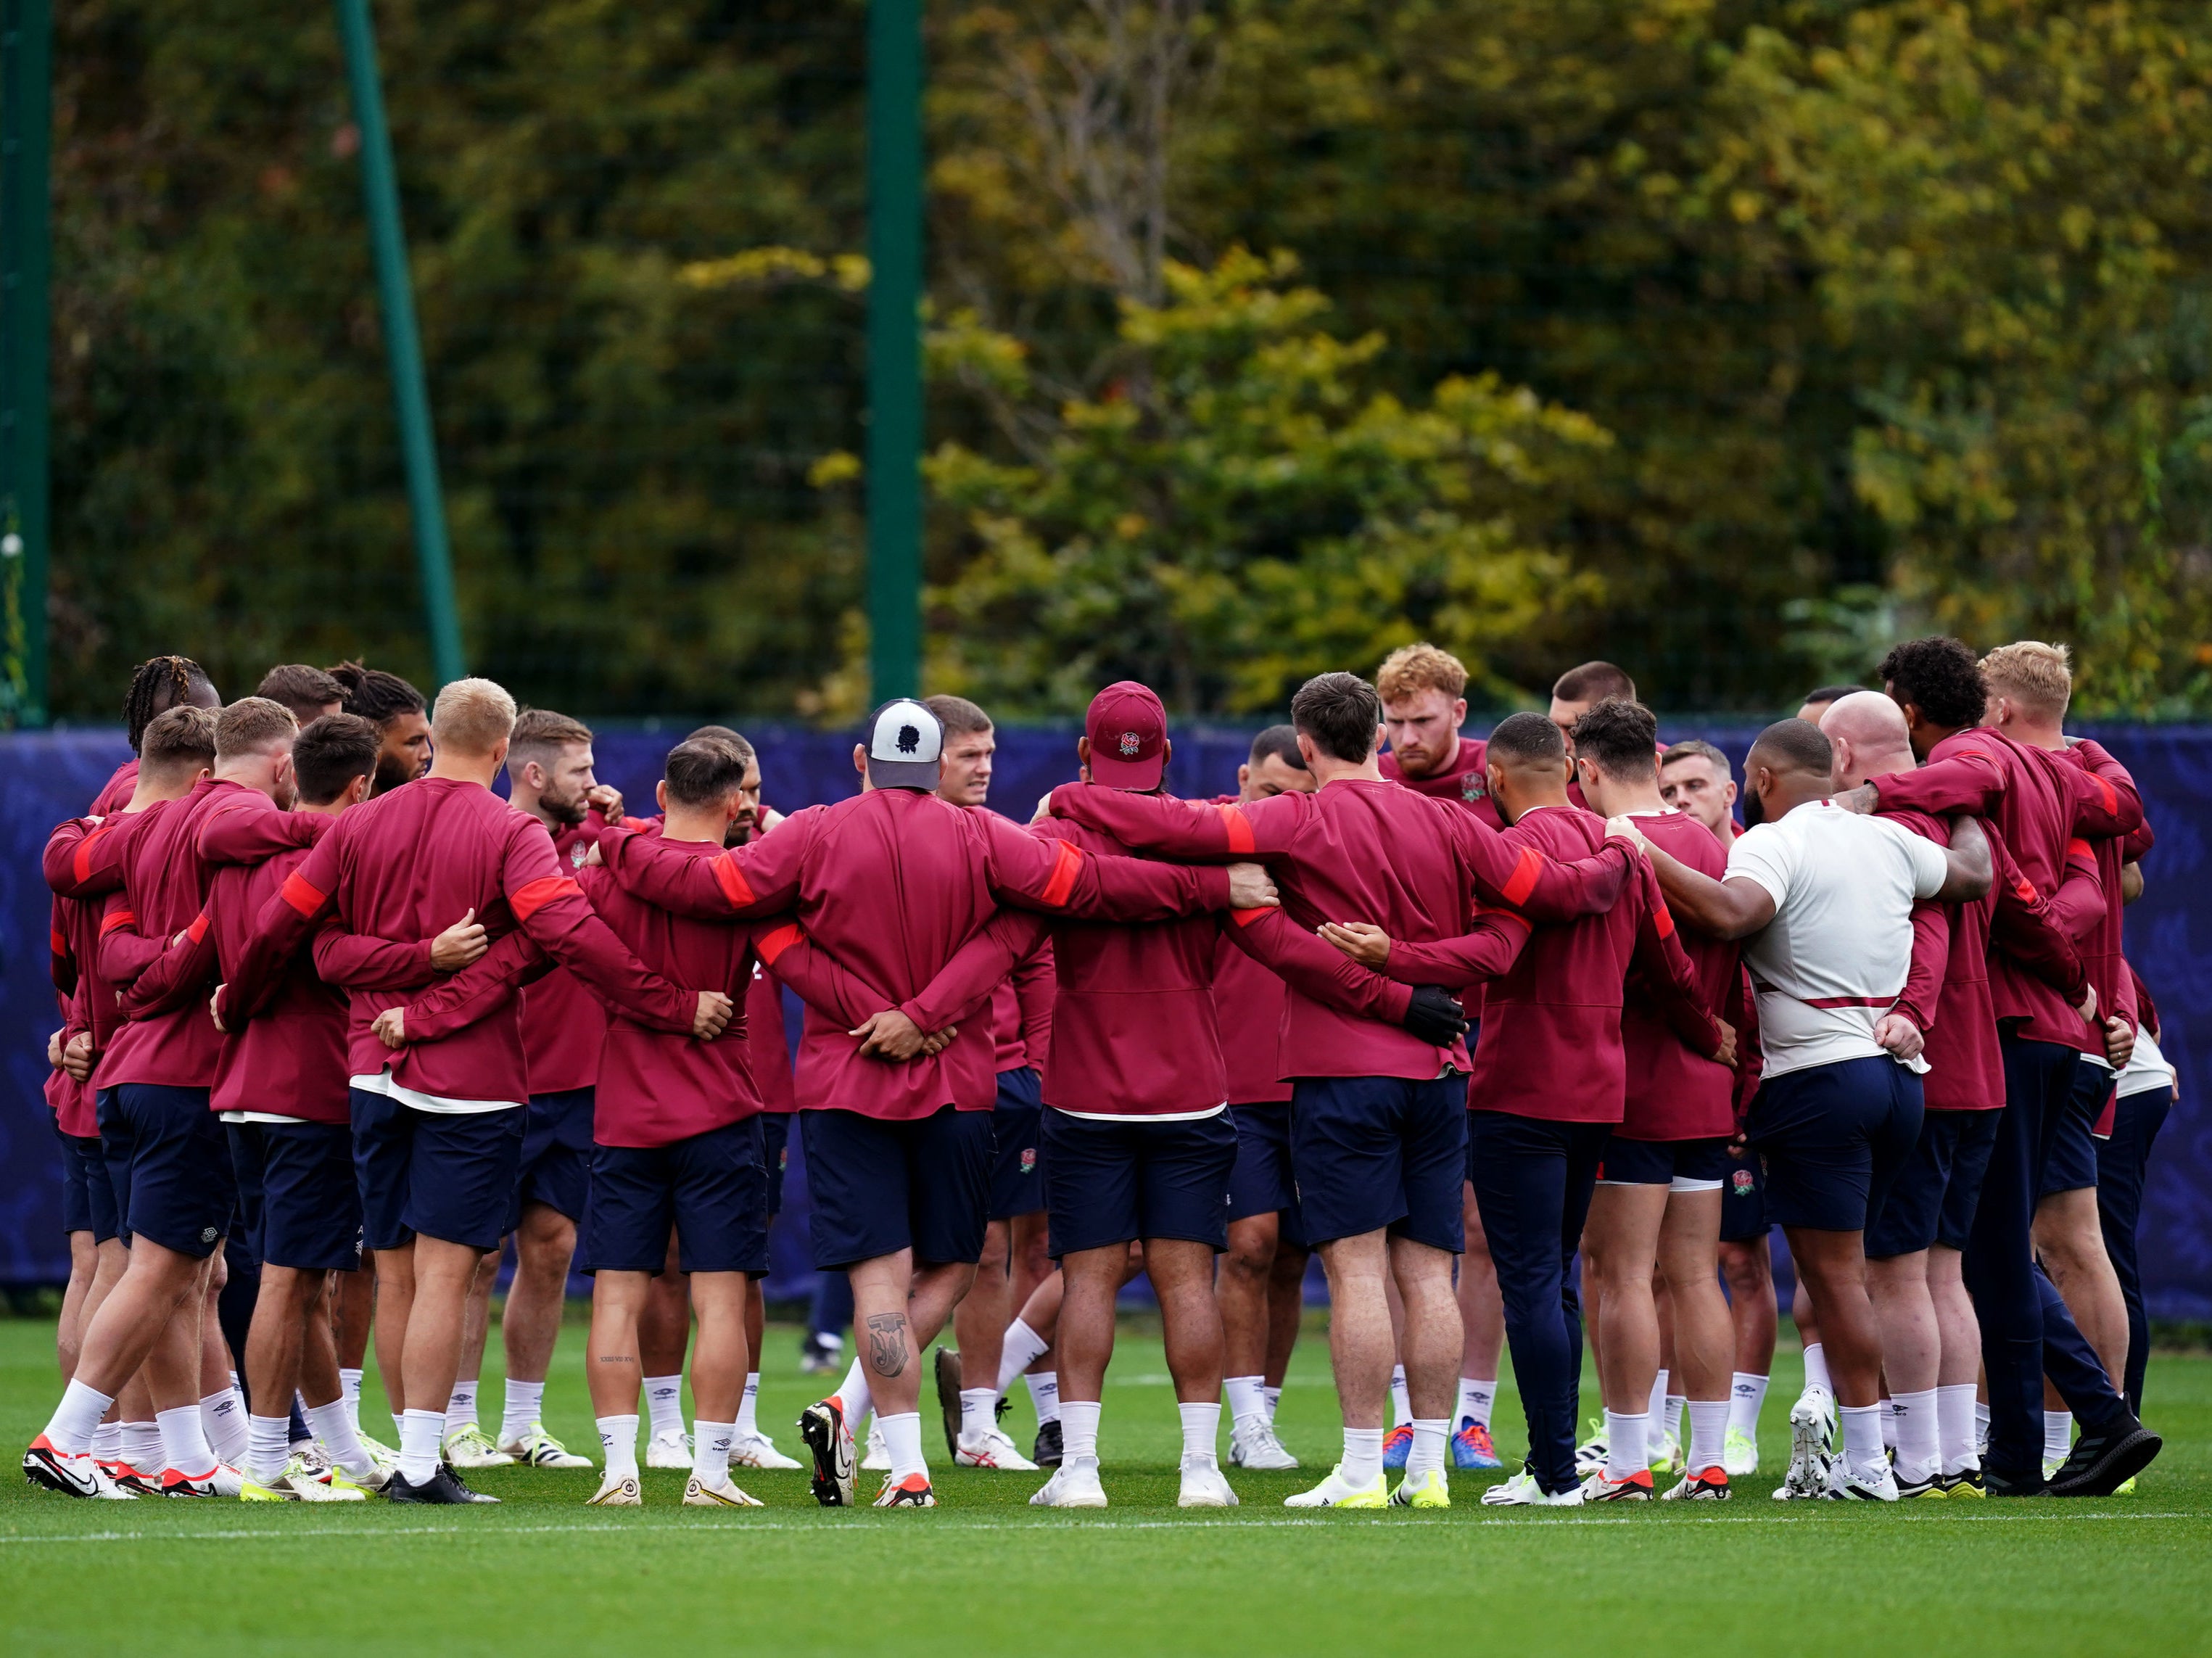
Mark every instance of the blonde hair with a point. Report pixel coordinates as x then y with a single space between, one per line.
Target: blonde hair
2029 672
1412 669
473 717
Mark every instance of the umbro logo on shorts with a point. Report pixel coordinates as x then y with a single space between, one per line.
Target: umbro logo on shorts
207 1235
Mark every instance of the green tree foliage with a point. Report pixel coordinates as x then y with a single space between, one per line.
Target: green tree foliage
1895 313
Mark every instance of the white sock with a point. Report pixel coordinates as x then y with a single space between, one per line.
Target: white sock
1044 1395
1201 1430
70 1430
1670 1424
1274 1396
903 1439
1954 1427
526 1404
618 1440
1919 1441
1709 1420
1816 1369
142 1446
1888 1425
1430 1437
184 1440
853 1394
1981 1427
2058 1435
710 1451
349 1393
305 1439
1247 1397
1024 1347
747 1426
422 1433
1863 1451
333 1426
222 1419
267 1447
979 1411
664 1398
1627 1444
107 1441
399 1425
1363 1456
461 1408
1078 1428
1401 1401
1658 1400
1476 1401
1747 1394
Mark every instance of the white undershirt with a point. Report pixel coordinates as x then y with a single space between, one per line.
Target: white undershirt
381 1083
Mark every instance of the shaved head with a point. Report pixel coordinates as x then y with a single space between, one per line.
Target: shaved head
1870 736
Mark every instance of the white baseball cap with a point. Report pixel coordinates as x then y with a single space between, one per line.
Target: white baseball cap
904 740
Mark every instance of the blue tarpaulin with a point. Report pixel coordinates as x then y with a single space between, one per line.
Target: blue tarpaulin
50 776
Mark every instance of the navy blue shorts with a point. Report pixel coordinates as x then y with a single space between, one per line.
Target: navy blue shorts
1377 1153
1018 1145
1261 1182
1832 1139
776 1156
880 1187
179 1189
1743 1205
297 1195
115 1152
88 1198
557 1155
1679 1165
2072 1162
446 1175
711 1188
1933 1198
1108 1184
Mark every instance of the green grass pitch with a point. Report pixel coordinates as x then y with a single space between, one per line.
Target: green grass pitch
986 1574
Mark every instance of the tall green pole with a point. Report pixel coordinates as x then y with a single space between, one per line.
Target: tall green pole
395 289
894 466
27 33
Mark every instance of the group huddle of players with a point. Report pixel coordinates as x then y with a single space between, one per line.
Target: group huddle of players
338 1023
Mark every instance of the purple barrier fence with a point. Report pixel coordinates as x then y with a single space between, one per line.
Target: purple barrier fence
51 775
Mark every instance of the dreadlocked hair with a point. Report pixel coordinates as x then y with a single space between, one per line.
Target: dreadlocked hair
375 694
158 684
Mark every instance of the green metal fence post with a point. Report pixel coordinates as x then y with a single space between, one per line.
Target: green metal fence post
26 28
894 463
395 289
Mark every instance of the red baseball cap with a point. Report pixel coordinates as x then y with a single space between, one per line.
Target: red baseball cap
1128 732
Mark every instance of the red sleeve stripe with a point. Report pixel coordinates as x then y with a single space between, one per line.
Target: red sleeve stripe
81 864
1526 873
2025 890
198 930
1067 864
526 900
1661 920
1503 913
732 880
114 919
769 945
2080 848
302 895
2112 796
60 944
1238 827
1249 917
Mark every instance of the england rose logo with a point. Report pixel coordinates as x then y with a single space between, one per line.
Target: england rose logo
1130 744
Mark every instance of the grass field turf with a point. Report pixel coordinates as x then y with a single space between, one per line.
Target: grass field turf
986 1573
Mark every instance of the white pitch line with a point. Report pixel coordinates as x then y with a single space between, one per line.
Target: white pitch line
685 1529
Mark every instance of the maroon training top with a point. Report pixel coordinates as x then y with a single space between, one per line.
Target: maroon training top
1676 1092
562 1022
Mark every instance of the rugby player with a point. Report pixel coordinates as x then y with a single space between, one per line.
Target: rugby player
400 715
309 693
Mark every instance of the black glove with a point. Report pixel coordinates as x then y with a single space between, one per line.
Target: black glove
1434 1016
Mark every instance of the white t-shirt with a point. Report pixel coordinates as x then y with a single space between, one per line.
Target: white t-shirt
1836 955
381 1083
2146 1068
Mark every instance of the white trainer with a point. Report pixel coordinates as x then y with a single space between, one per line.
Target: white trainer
757 1451
1338 1492
308 1485
1812 1431
1861 1485
1072 1485
616 1491
1204 1487
1590 1455
879 1459
724 1496
1252 1444
468 1448
669 1449
991 1449
1666 1455
1739 1453
1522 1492
539 1449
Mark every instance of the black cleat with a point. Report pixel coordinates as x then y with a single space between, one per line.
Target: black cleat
1998 1483
2101 1463
1048 1452
948 1399
1966 1484
443 1487
823 1427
